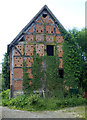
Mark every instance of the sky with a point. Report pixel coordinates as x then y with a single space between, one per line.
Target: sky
15 14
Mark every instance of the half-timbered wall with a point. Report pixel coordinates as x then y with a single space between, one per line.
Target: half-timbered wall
42 32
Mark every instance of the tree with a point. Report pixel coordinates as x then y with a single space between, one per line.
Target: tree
72 60
6 72
75 54
82 42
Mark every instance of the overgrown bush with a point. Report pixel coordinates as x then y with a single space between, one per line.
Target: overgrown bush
33 99
5 97
34 102
71 102
19 101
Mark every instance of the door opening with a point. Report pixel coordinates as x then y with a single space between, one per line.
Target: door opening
50 50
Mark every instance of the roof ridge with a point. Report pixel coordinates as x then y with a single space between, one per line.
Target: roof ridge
31 21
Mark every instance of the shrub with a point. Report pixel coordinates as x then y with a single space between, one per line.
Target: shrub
5 97
18 101
35 102
33 99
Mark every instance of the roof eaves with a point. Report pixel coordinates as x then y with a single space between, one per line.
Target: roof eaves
21 33
25 28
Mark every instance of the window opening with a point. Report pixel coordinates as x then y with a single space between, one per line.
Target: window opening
50 50
61 72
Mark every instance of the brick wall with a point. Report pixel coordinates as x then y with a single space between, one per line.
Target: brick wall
41 33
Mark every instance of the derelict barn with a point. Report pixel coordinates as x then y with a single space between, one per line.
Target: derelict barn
43 32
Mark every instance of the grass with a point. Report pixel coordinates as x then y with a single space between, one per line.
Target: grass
78 110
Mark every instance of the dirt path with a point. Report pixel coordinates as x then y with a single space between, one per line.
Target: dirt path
64 113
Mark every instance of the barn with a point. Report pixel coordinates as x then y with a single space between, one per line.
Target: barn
43 33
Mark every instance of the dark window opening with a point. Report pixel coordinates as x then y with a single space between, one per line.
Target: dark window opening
61 72
50 50
44 15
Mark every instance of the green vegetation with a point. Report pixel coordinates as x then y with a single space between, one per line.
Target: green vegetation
26 88
35 102
56 97
72 63
53 82
5 97
6 72
78 110
0 81
38 73
80 40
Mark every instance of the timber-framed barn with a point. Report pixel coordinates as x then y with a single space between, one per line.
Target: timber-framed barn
43 32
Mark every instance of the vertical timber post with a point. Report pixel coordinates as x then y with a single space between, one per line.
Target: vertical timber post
12 67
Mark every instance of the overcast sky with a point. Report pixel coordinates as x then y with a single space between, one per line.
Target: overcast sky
15 14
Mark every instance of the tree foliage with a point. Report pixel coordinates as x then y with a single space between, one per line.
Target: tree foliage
6 72
73 58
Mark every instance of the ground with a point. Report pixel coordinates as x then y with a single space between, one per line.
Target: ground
73 112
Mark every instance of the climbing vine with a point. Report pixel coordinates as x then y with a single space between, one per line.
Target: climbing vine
26 80
72 61
53 82
37 73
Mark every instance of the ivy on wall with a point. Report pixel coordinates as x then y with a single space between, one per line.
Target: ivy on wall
45 73
26 86
37 73
53 82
